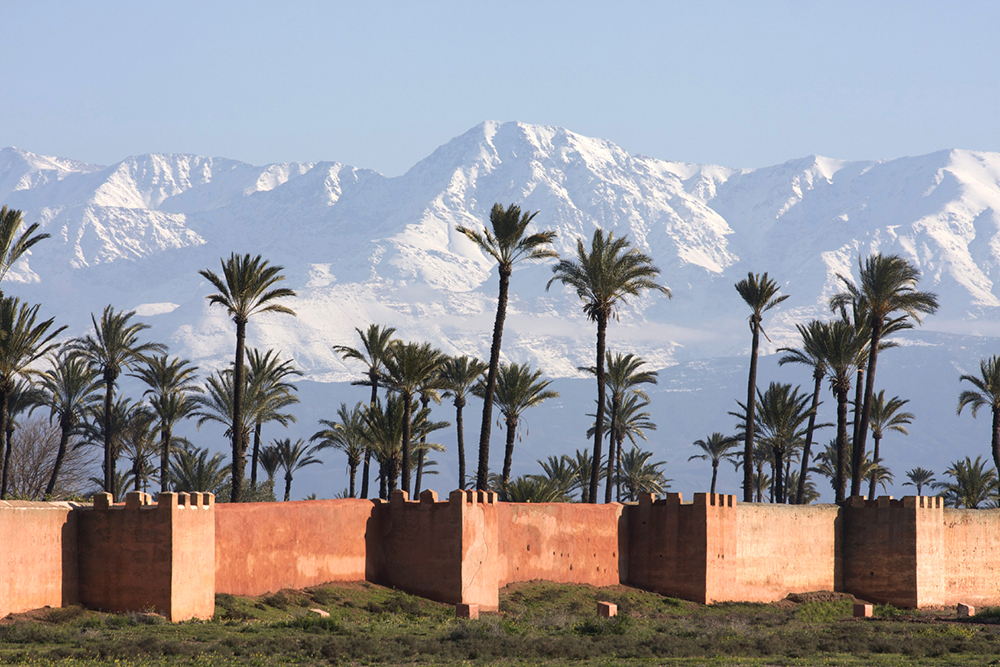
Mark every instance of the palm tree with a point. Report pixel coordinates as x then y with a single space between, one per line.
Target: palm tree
458 375
533 489
266 375
138 440
761 294
384 436
246 288
507 245
346 433
827 465
839 346
23 340
632 420
172 385
886 416
409 369
987 392
716 447
113 347
69 389
375 342
641 476
583 465
622 376
294 456
270 462
561 473
11 248
919 478
808 355
603 278
95 431
191 470
972 484
518 388
781 420
422 426
887 290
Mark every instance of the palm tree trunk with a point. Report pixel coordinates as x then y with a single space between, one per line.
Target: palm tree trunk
109 458
508 454
715 475
996 439
751 407
875 460
778 484
611 450
407 409
354 472
365 471
459 404
774 476
255 457
64 430
4 416
137 472
420 474
491 382
383 491
840 481
800 493
602 331
869 390
618 467
165 437
856 441
239 448
288 486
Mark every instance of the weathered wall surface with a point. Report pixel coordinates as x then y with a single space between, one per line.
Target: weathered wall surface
38 548
782 549
971 557
265 547
192 577
566 543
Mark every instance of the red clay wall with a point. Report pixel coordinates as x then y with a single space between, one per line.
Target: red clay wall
681 549
566 543
970 557
142 556
265 547
782 549
38 548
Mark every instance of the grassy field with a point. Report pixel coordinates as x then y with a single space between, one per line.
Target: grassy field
539 623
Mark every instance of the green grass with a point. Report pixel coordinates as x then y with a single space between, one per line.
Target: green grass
539 623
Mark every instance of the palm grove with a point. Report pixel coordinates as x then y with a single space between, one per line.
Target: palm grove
389 438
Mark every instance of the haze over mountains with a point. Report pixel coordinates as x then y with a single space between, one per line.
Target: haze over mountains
359 247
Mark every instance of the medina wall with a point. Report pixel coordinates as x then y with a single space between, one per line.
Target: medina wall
265 547
38 548
562 542
782 549
970 557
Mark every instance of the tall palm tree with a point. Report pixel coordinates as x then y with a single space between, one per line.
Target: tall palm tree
623 375
375 342
458 375
24 339
246 288
507 244
888 289
384 436
886 416
603 278
411 368
113 347
266 375
346 433
69 389
919 478
761 294
986 392
716 447
12 246
641 476
839 346
518 388
294 456
971 484
809 356
172 385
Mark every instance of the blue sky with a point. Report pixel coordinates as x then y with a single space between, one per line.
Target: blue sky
380 85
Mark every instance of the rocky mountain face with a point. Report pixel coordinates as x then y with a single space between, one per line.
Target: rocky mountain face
359 247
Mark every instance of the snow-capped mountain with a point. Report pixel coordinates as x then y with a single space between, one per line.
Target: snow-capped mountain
359 247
